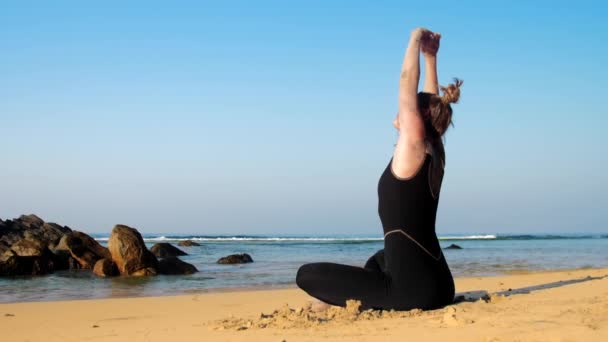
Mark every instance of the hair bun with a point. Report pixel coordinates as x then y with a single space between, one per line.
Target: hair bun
451 93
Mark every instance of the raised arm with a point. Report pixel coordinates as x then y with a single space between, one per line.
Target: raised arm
429 47
410 77
410 147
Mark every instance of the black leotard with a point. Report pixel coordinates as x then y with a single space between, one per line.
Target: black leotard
411 271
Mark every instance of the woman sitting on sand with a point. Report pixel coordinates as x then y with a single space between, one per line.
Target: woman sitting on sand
411 271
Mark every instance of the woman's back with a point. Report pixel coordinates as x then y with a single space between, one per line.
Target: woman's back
411 203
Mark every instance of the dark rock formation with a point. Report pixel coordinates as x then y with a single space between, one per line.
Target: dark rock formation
62 256
12 264
130 253
175 266
4 247
32 227
164 250
39 247
453 246
83 249
24 246
63 260
30 221
29 247
105 268
235 259
188 243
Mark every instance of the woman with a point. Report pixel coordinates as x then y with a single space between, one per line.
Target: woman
411 272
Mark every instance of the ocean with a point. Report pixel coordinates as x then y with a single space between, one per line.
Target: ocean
277 258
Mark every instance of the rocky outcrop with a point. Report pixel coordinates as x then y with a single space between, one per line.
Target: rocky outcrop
24 246
63 260
188 243
83 248
164 250
235 259
453 246
12 264
105 268
4 247
129 252
29 247
175 266
31 227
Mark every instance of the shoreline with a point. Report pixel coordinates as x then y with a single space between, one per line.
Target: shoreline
545 305
238 289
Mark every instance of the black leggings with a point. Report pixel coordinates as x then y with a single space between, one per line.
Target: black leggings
402 276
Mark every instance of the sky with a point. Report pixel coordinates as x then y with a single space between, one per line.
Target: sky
275 117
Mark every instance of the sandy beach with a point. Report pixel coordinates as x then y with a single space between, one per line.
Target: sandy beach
567 305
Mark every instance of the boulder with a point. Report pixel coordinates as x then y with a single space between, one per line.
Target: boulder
63 260
29 247
145 272
30 221
163 250
105 268
235 259
83 249
62 256
10 232
61 245
32 243
4 247
453 246
175 266
188 243
130 253
12 264
52 232
30 227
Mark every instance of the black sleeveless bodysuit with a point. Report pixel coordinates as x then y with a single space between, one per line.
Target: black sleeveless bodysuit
411 271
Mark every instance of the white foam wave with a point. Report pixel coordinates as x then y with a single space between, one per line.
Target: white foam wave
469 237
295 239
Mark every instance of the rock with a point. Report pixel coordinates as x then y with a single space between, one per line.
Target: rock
12 264
145 272
52 232
30 220
163 250
453 246
61 245
32 244
30 227
105 268
83 248
173 265
63 260
130 253
62 256
29 247
188 243
4 247
235 259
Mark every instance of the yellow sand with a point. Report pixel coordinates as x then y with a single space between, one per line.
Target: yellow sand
542 306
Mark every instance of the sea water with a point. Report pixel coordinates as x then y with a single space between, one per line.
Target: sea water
277 258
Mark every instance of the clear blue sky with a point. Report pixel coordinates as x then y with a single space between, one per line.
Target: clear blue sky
275 117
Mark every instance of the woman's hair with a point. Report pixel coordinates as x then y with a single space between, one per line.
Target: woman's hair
437 111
